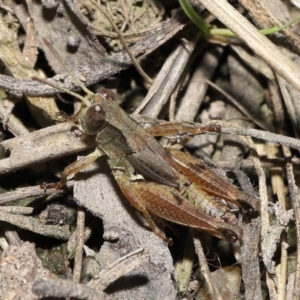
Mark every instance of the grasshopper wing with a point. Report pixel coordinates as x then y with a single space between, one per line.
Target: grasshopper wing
197 172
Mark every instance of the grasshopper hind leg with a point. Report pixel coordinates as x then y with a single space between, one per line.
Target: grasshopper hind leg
122 172
167 203
138 204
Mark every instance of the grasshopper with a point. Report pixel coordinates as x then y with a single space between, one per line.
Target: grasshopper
171 184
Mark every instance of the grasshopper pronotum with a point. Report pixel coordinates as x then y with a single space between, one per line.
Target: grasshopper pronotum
173 185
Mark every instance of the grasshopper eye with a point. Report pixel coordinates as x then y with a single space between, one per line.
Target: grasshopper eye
95 117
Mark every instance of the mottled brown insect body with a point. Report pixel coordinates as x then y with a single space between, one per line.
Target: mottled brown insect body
170 184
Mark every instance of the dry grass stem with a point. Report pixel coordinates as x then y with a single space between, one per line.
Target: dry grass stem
260 44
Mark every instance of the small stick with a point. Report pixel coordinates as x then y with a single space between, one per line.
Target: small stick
65 289
205 270
80 243
293 189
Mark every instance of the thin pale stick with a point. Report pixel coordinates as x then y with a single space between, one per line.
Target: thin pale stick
79 245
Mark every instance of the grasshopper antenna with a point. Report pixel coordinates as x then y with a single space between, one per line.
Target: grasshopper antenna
59 87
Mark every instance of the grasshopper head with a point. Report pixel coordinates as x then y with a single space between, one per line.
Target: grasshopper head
98 113
92 116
